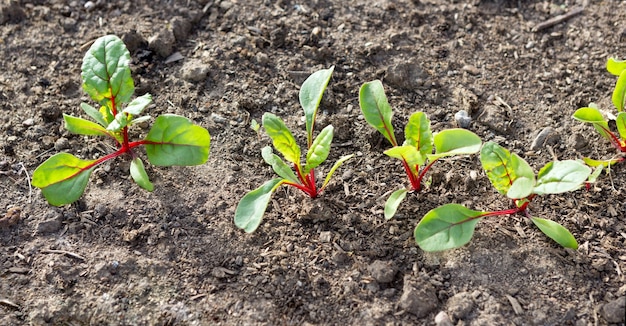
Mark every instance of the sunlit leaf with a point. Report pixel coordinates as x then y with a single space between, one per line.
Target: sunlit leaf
311 94
615 67
619 93
561 176
521 188
175 140
283 140
138 173
417 133
94 114
446 227
318 152
451 142
136 106
502 167
556 232
62 178
376 109
252 206
595 163
392 203
593 177
120 121
592 115
337 164
621 125
84 127
410 154
279 166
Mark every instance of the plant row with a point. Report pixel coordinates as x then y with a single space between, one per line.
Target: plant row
175 140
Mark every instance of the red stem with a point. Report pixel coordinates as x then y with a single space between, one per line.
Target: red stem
414 182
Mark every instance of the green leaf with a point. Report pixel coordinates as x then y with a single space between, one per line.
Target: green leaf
556 232
94 114
84 127
595 163
593 177
252 206
502 167
521 188
334 168
283 140
62 178
392 203
175 140
255 125
140 119
376 109
311 94
456 141
592 115
619 93
120 121
561 176
318 152
280 167
621 125
446 227
417 133
138 172
106 73
409 154
615 67
138 105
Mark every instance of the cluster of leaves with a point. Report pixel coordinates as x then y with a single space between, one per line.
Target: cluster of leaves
592 114
252 206
172 140
452 225
417 149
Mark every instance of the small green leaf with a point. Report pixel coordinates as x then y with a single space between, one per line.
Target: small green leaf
409 154
619 93
140 119
84 127
138 172
334 168
376 109
175 140
283 140
456 141
496 161
278 165
592 115
311 94
392 203
446 227
62 178
595 163
561 176
522 187
593 177
318 152
556 232
138 105
621 125
120 121
94 114
106 73
615 66
252 206
255 125
417 133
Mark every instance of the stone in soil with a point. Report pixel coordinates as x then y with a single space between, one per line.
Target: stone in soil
418 297
162 43
382 271
615 311
406 75
194 71
460 305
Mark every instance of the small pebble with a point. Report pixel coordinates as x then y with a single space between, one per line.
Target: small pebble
61 144
614 311
326 236
442 319
382 271
28 122
462 119
472 70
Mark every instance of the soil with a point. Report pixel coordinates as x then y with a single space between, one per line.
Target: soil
124 256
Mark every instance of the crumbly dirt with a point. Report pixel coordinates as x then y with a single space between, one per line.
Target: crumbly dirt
123 256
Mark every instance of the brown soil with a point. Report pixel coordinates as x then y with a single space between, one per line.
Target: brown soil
123 256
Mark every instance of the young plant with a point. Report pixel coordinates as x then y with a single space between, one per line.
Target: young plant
452 225
592 115
172 140
252 206
417 149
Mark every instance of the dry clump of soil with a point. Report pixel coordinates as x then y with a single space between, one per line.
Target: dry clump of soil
124 256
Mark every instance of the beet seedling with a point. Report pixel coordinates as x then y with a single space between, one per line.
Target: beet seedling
172 140
252 206
592 115
452 225
417 148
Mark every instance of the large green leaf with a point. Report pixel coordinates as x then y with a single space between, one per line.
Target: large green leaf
621 125
592 115
337 164
318 152
311 94
252 206
62 178
84 127
418 134
392 203
556 232
452 142
279 166
446 227
376 109
283 140
409 154
175 140
561 176
138 172
106 73
615 67
502 167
